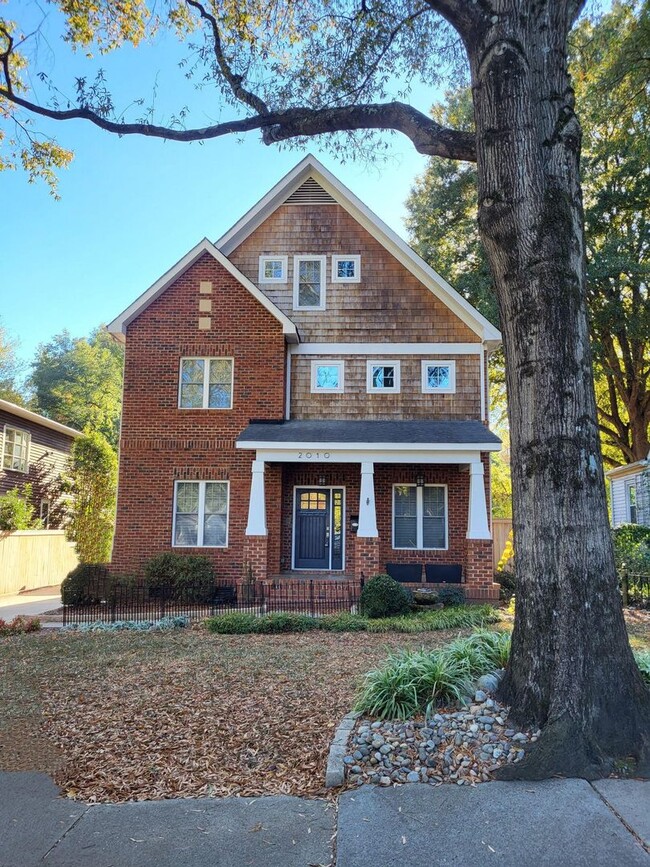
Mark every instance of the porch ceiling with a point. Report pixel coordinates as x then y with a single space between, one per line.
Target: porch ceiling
324 433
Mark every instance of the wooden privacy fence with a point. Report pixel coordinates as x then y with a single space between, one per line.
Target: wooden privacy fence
34 558
501 528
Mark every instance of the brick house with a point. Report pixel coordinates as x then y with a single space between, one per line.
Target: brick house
306 396
32 446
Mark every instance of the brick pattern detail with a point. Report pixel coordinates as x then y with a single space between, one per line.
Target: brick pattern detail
366 557
410 403
389 304
255 558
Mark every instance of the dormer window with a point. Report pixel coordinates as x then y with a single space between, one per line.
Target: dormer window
346 269
309 282
273 269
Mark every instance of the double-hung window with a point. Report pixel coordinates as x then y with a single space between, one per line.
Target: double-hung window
206 383
439 377
630 502
309 282
382 376
200 515
420 517
15 449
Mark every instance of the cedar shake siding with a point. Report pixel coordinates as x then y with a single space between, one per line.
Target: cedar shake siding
161 443
388 305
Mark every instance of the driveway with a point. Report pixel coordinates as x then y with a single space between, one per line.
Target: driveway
556 822
31 603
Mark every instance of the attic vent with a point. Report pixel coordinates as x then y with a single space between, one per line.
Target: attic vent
310 193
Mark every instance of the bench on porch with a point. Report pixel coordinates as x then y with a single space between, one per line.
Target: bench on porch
435 573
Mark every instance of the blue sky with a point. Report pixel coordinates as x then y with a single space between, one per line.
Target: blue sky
131 207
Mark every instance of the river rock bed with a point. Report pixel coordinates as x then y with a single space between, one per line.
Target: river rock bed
462 746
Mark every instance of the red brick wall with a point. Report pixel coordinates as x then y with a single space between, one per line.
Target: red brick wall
161 442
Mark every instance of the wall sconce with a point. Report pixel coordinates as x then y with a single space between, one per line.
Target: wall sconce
321 481
419 481
354 523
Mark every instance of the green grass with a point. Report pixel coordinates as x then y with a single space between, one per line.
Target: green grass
458 617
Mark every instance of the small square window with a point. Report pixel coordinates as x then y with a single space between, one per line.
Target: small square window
439 377
309 282
346 269
327 376
383 376
273 269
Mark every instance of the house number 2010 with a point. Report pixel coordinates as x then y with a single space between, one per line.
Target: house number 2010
314 456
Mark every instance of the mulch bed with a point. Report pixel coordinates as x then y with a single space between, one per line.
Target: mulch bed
136 717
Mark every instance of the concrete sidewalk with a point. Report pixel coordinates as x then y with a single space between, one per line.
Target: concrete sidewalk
563 823
31 603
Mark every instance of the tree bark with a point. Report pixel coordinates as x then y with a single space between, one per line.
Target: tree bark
571 670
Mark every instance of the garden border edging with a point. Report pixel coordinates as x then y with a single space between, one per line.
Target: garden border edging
335 771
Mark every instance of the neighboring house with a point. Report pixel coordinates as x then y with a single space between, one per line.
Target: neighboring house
31 442
307 396
630 490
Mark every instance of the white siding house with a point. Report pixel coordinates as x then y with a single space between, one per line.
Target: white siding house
630 490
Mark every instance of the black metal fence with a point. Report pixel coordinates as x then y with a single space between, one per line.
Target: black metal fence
635 589
109 601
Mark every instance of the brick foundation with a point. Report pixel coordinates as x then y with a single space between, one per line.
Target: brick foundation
255 554
366 557
479 572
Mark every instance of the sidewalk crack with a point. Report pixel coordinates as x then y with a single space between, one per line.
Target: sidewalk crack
620 818
66 832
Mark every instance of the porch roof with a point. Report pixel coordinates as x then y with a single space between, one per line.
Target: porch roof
320 433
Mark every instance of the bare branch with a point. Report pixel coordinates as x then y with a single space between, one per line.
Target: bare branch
428 137
235 82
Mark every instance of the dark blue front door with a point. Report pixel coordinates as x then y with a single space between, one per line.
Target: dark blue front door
312 528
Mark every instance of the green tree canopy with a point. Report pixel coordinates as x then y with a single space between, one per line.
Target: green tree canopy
610 70
79 382
10 368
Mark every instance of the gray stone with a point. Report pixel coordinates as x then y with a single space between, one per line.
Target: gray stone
384 781
479 695
485 719
412 777
488 683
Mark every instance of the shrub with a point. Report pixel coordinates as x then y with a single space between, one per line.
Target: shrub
343 622
17 511
285 622
19 625
451 596
86 585
190 578
163 624
382 596
507 581
632 548
235 623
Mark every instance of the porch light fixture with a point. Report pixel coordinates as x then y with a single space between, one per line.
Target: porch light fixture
321 481
419 481
354 523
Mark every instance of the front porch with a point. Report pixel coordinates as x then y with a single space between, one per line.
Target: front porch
355 509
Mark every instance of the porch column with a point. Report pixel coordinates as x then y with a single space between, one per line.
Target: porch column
477 523
257 504
367 513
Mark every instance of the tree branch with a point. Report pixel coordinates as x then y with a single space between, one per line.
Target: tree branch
428 137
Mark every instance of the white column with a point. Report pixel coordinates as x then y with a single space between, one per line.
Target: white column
477 523
367 512
257 505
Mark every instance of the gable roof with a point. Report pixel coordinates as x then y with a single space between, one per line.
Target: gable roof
628 469
119 325
35 418
311 168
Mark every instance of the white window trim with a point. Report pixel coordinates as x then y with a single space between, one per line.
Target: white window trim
206 382
630 483
379 363
28 435
326 362
285 269
419 516
439 363
199 537
323 277
357 269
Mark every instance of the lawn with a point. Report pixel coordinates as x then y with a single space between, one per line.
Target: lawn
123 716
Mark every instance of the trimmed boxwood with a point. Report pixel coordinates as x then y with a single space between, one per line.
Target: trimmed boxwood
189 578
451 596
382 597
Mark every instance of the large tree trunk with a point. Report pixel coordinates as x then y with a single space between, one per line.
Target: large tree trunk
571 668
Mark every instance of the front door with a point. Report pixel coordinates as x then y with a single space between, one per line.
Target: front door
318 528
